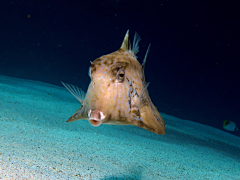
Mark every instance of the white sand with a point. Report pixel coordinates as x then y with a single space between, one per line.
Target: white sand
37 143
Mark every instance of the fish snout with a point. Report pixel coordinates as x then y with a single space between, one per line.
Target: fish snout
95 117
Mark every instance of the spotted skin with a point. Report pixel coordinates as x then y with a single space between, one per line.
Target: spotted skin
117 93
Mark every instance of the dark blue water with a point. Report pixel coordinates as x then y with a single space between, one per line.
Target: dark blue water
193 65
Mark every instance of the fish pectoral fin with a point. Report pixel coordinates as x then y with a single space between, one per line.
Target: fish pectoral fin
71 119
75 91
77 115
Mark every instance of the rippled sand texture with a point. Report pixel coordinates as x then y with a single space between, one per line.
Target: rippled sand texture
37 143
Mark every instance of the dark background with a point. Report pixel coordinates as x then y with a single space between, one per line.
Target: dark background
193 65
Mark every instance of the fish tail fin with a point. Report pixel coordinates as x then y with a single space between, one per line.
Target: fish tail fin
75 91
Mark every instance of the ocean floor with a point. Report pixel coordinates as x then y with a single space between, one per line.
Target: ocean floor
36 142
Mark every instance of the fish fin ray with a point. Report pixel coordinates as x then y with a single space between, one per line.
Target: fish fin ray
75 91
136 40
76 116
145 58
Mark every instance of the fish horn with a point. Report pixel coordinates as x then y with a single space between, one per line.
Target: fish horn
126 45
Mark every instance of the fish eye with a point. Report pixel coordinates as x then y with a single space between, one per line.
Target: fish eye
120 75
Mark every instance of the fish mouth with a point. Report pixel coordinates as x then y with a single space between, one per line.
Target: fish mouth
95 117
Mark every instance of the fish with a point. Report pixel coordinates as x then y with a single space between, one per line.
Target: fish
117 93
229 125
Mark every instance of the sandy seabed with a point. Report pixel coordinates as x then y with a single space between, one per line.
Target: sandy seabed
37 143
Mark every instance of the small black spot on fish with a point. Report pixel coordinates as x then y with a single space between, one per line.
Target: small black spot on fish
108 62
110 116
93 68
114 71
119 114
97 60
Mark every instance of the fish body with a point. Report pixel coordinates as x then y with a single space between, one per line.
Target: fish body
117 93
229 125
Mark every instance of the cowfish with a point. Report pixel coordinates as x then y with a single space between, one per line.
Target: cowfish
117 93
229 125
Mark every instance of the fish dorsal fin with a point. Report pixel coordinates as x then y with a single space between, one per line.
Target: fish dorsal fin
126 45
136 40
145 58
225 122
75 91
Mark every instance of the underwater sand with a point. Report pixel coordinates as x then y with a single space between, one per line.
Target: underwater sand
37 143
